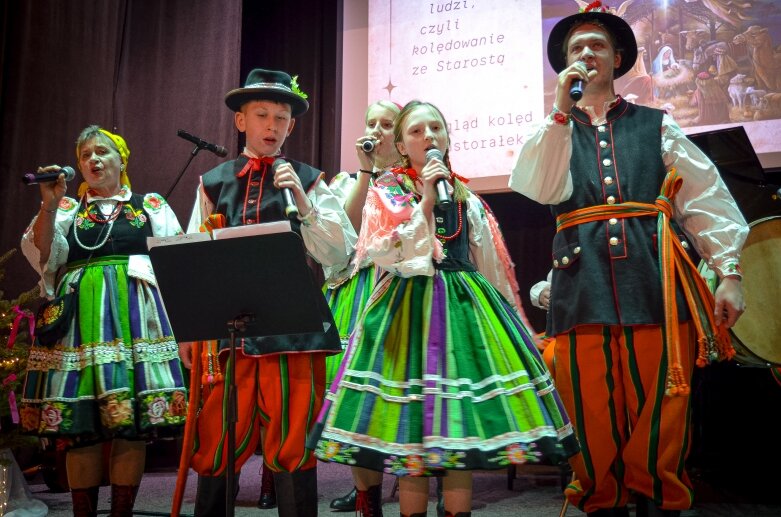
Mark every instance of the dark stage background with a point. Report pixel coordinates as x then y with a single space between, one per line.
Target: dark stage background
146 68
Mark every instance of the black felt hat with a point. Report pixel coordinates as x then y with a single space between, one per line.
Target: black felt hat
626 44
271 85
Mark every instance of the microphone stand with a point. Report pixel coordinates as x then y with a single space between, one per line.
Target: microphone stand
181 173
238 325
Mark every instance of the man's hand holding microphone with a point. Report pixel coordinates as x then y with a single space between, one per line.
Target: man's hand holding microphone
572 81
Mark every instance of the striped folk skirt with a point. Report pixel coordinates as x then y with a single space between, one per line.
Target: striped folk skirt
347 302
441 374
117 372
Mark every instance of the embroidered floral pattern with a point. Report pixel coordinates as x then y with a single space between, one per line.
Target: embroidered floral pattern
515 454
412 465
66 203
163 408
156 410
29 418
329 450
54 417
83 221
153 202
137 218
116 410
178 406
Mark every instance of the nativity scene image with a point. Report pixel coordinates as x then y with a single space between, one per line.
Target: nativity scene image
706 62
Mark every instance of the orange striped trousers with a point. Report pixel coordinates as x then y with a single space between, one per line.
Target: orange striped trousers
282 393
632 437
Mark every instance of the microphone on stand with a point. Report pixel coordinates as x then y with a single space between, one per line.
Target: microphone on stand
291 209
444 201
203 144
33 179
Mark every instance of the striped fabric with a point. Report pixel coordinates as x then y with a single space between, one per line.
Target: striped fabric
676 268
346 302
282 392
117 372
633 437
414 396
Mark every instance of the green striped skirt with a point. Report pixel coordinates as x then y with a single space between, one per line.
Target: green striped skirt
441 374
117 371
346 302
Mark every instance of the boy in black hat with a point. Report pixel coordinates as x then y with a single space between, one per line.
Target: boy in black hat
627 307
281 380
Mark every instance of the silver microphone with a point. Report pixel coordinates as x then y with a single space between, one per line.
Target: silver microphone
291 209
444 201
369 145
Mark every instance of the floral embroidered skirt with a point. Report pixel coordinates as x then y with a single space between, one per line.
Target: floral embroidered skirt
346 302
441 374
117 371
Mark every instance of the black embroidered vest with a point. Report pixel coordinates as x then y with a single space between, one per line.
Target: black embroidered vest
607 272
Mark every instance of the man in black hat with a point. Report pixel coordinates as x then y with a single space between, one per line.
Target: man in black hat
280 379
627 307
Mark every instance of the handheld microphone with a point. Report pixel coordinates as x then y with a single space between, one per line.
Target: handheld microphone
33 179
444 201
202 144
368 145
576 90
291 209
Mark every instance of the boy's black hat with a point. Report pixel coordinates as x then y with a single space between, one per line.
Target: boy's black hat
271 85
626 43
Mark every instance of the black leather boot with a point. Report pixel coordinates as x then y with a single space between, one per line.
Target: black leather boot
210 496
345 503
268 493
369 503
647 508
296 493
85 501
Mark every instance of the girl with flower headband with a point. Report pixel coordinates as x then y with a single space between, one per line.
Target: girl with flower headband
441 374
116 373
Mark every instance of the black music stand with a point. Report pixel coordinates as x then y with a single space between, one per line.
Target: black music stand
255 286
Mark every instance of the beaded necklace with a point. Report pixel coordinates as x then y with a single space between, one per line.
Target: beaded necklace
92 214
413 175
96 216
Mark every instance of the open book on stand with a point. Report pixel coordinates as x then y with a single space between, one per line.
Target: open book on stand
221 233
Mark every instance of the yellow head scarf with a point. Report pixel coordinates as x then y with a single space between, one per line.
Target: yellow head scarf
124 154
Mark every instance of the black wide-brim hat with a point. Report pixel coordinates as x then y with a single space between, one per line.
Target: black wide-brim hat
270 85
626 43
